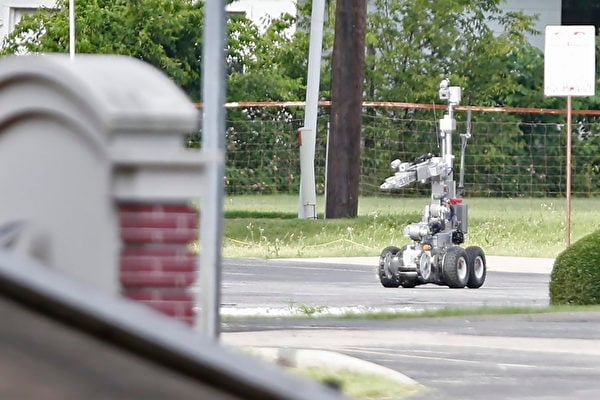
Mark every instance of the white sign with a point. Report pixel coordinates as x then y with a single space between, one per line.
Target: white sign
570 61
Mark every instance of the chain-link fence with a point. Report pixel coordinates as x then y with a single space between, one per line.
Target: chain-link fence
508 155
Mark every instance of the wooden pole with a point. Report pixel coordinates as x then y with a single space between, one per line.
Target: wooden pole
343 169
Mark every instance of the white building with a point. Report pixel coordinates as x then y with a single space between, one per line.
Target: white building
11 12
260 11
548 12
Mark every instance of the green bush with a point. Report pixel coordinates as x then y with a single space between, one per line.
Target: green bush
575 277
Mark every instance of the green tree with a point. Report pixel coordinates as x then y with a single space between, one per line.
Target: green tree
166 34
414 44
411 45
543 141
264 65
269 65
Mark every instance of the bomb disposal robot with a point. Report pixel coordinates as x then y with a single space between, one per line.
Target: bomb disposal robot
435 255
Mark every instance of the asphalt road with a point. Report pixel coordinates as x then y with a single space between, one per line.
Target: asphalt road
278 287
536 356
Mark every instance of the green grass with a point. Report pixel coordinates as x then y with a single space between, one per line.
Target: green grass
359 385
474 311
266 226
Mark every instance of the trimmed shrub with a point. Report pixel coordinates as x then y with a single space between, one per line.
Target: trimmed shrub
575 278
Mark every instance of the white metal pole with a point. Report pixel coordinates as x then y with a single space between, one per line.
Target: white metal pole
308 195
307 168
72 29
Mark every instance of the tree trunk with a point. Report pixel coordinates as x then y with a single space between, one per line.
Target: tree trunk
343 166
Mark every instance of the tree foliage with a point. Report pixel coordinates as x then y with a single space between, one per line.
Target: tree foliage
411 45
166 34
269 65
264 65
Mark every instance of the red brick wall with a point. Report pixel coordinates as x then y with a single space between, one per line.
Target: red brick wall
157 267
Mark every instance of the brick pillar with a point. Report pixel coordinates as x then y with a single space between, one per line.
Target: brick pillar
156 266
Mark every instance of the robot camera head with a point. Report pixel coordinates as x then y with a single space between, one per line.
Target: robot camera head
444 86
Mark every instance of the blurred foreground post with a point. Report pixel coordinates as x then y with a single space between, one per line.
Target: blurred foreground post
213 144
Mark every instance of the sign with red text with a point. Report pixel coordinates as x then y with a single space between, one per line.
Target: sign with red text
570 61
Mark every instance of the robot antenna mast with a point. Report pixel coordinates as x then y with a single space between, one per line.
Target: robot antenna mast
464 137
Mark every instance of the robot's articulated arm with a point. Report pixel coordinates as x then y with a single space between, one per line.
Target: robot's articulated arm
422 169
429 168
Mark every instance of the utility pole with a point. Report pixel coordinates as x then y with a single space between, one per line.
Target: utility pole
307 135
343 158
